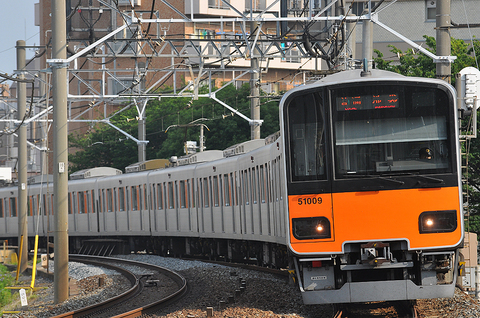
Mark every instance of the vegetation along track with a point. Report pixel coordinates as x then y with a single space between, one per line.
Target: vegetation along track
152 287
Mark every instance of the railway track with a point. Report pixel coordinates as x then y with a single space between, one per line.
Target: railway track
151 289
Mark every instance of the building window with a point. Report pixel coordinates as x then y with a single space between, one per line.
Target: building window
257 5
359 7
431 10
217 4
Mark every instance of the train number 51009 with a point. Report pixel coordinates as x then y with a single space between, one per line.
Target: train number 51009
302 201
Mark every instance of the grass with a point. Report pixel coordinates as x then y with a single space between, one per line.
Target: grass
5 280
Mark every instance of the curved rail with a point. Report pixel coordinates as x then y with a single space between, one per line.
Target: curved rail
132 292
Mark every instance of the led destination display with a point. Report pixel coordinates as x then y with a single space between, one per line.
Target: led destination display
347 103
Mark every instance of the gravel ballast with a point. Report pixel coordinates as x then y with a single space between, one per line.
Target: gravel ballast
217 287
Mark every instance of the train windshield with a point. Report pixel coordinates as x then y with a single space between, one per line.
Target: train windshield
307 137
390 129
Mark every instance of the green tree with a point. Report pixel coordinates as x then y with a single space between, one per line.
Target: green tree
166 126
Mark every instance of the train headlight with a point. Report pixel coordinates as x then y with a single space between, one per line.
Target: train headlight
437 221
311 228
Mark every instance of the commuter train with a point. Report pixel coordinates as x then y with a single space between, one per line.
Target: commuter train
359 195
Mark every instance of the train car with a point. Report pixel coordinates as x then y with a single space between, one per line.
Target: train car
360 194
373 185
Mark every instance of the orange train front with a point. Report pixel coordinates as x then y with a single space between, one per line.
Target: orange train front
373 187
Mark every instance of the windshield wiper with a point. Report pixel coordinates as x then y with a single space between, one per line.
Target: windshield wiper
428 180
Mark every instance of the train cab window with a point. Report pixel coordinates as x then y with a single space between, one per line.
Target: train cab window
306 137
388 130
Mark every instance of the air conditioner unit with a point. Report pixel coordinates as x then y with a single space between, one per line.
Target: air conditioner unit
129 2
430 3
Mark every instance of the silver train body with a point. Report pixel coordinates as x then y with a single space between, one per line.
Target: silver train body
293 200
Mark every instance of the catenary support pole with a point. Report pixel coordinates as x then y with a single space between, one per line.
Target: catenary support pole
60 150
22 157
254 84
444 69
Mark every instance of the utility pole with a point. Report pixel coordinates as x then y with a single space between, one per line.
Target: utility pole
367 41
444 68
60 149
22 157
142 147
254 81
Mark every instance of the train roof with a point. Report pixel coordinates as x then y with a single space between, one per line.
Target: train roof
95 173
243 147
148 165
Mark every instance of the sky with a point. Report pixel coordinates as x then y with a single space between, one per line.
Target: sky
17 23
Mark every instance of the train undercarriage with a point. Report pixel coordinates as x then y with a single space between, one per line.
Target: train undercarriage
376 271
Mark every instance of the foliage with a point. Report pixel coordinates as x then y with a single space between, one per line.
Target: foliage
5 280
166 129
414 63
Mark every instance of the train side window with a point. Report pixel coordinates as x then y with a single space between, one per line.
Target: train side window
52 208
206 195
171 205
1 208
13 207
115 200
189 194
246 188
215 191
104 201
45 204
254 186
140 197
160 196
145 197
183 201
127 197
29 206
134 198
89 203
69 203
121 199
306 137
262 183
74 203
233 179
226 188
109 200
81 202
